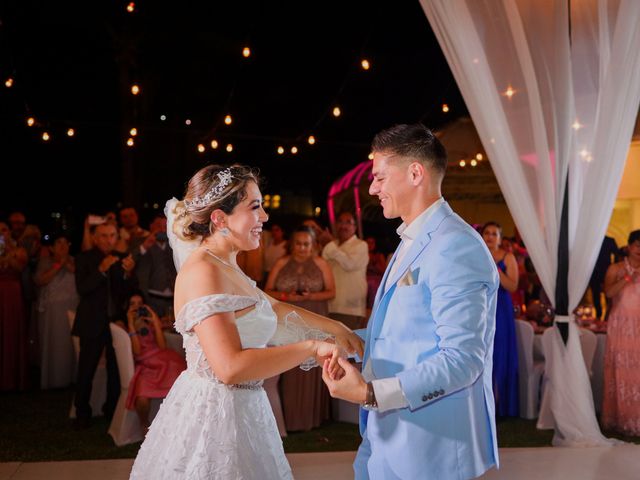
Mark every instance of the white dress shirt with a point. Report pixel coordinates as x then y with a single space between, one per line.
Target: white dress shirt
388 391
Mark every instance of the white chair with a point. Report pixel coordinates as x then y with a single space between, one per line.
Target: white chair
588 342
99 386
529 371
125 426
271 388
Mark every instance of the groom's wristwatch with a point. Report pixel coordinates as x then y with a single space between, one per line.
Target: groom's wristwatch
370 403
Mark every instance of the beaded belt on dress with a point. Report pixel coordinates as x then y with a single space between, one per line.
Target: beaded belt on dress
253 385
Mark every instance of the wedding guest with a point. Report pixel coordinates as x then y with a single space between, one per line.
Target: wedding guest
621 403
55 277
157 367
13 318
375 270
505 348
303 279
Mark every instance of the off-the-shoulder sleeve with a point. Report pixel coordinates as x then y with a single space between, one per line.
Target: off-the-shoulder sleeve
195 311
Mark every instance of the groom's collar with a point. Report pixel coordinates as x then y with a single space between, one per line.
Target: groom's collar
412 230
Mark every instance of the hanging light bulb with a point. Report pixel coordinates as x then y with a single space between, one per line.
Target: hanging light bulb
228 120
214 144
445 108
311 139
187 121
201 148
365 64
576 125
473 162
280 150
246 52
131 7
463 163
133 132
229 147
130 142
71 132
336 111
479 156
509 92
8 82
294 150
370 156
31 121
163 117
45 136
135 89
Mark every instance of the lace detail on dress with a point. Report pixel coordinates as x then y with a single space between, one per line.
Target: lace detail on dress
195 311
291 329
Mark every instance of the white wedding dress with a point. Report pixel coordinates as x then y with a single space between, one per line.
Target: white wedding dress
205 429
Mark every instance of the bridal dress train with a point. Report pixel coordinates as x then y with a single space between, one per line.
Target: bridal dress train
206 429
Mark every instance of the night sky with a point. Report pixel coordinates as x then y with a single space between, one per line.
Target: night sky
73 64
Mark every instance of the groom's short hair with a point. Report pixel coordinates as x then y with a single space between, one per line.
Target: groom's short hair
413 141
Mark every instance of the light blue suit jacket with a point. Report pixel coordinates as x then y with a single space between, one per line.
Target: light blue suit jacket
436 337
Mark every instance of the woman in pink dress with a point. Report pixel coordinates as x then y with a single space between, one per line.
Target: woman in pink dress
13 319
621 404
157 367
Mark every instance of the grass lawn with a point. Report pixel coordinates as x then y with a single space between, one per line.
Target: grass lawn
34 426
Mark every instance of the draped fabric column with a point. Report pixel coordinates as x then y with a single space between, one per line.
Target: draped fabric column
553 88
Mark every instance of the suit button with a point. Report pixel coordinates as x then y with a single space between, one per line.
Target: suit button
441 392
424 398
436 394
430 396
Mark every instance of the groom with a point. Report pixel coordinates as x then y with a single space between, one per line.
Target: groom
428 407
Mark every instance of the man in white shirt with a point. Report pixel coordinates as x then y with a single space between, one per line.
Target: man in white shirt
348 257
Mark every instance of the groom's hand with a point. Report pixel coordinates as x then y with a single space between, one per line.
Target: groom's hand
351 386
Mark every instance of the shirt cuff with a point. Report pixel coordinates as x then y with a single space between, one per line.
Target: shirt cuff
389 394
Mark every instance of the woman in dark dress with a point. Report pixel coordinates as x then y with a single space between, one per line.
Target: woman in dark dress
304 279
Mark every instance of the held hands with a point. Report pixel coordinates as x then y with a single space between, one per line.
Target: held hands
329 352
344 381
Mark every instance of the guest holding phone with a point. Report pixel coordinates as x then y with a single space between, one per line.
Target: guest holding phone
157 367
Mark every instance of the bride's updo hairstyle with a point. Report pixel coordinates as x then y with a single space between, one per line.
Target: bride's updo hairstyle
212 187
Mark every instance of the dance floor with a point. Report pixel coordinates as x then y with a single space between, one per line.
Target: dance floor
619 463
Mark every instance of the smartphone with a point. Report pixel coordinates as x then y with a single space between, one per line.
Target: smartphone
143 312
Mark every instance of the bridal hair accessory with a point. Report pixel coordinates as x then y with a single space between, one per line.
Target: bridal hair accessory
214 192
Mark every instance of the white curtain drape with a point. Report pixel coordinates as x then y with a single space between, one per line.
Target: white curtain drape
553 88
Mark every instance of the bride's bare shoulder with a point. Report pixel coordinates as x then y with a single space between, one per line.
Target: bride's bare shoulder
198 277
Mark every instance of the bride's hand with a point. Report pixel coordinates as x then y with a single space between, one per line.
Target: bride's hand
350 342
330 351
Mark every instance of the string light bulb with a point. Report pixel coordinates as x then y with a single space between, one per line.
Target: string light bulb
229 147
187 121
246 52
294 150
311 139
133 132
463 163
228 120
214 144
280 150
370 156
365 64
163 117
336 111
135 89
201 148
479 156
8 82
130 142
576 125
71 132
45 136
509 92
473 162
31 121
131 7
445 108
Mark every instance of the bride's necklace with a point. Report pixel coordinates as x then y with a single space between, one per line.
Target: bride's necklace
230 265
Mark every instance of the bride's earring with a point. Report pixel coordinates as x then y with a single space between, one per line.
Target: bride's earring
224 232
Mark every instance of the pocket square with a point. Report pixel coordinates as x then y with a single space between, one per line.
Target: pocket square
409 278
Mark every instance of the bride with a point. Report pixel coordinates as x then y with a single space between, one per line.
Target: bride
216 421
